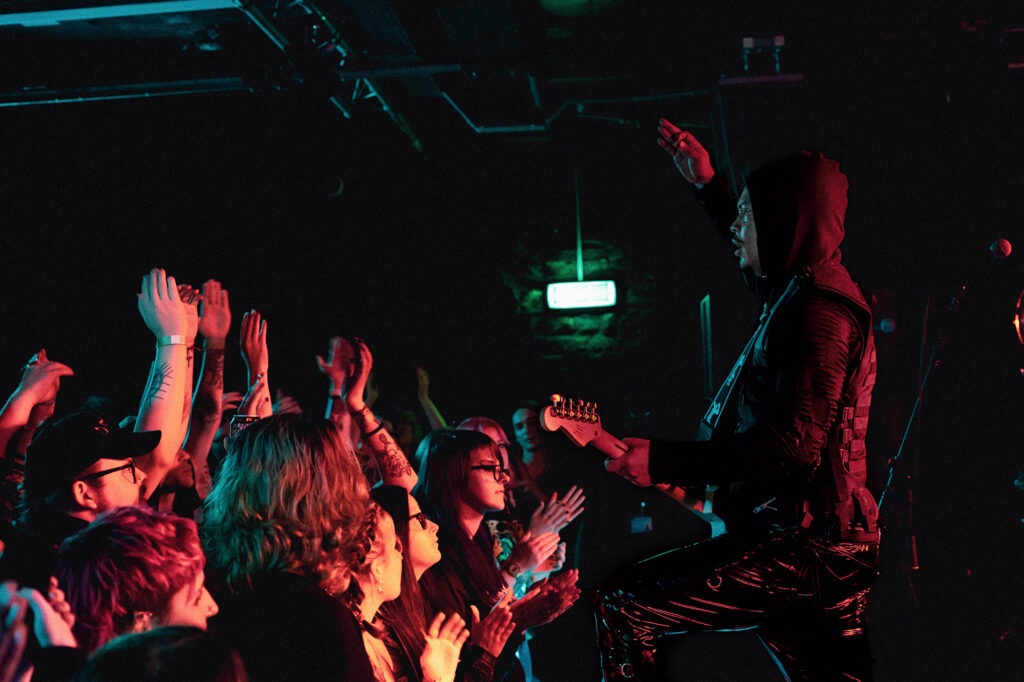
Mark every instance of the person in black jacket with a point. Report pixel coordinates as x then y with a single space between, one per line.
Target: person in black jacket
783 439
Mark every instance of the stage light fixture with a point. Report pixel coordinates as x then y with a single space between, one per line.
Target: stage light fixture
575 295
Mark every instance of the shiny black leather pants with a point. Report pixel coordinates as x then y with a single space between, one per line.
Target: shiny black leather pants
806 597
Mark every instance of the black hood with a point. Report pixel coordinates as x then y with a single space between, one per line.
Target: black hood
799 205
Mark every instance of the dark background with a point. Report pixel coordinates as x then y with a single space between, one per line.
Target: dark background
411 256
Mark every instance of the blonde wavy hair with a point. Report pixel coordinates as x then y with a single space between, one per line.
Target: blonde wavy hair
289 497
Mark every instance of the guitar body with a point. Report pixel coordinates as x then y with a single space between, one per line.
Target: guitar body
579 421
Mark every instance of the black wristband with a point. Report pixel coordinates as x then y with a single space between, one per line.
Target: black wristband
380 426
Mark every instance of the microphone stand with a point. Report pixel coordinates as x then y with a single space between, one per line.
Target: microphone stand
925 368
933 361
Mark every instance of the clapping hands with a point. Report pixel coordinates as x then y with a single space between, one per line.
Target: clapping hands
555 514
491 632
546 600
444 640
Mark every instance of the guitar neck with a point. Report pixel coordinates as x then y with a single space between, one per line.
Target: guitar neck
609 444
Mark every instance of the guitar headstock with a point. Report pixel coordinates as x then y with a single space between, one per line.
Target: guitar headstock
577 419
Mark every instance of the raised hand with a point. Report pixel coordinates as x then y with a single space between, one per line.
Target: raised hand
426 402
444 640
163 404
214 312
160 306
422 383
190 297
253 342
530 552
491 632
689 155
256 401
40 378
285 404
354 390
229 401
556 514
338 366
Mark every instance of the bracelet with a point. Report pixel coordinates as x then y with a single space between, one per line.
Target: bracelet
515 571
172 340
380 426
214 344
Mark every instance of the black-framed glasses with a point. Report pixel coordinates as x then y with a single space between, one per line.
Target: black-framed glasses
129 467
496 470
422 518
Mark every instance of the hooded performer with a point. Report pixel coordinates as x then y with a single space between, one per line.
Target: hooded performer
783 440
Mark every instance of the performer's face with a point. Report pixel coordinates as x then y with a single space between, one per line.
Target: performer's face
744 235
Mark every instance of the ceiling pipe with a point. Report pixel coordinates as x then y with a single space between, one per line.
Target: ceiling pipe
577 104
101 93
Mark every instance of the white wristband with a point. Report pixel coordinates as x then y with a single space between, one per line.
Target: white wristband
172 340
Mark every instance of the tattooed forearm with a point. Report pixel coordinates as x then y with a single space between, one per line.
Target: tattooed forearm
213 371
160 378
393 462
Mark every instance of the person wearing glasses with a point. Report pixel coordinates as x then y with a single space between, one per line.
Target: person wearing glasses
462 477
406 617
133 569
76 468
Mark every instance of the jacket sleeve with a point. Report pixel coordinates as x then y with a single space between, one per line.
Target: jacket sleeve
718 202
809 353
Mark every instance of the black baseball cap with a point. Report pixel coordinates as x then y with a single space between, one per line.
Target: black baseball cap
63 449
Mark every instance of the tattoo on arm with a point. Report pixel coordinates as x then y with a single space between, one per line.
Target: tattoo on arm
362 418
213 371
160 377
393 462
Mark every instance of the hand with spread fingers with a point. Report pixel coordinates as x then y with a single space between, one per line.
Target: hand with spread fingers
530 552
546 600
491 632
444 640
555 514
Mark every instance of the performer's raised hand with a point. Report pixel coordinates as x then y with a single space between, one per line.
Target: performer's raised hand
689 155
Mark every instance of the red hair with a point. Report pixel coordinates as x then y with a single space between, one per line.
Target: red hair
128 560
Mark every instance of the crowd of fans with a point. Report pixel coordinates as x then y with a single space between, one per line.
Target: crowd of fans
216 535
